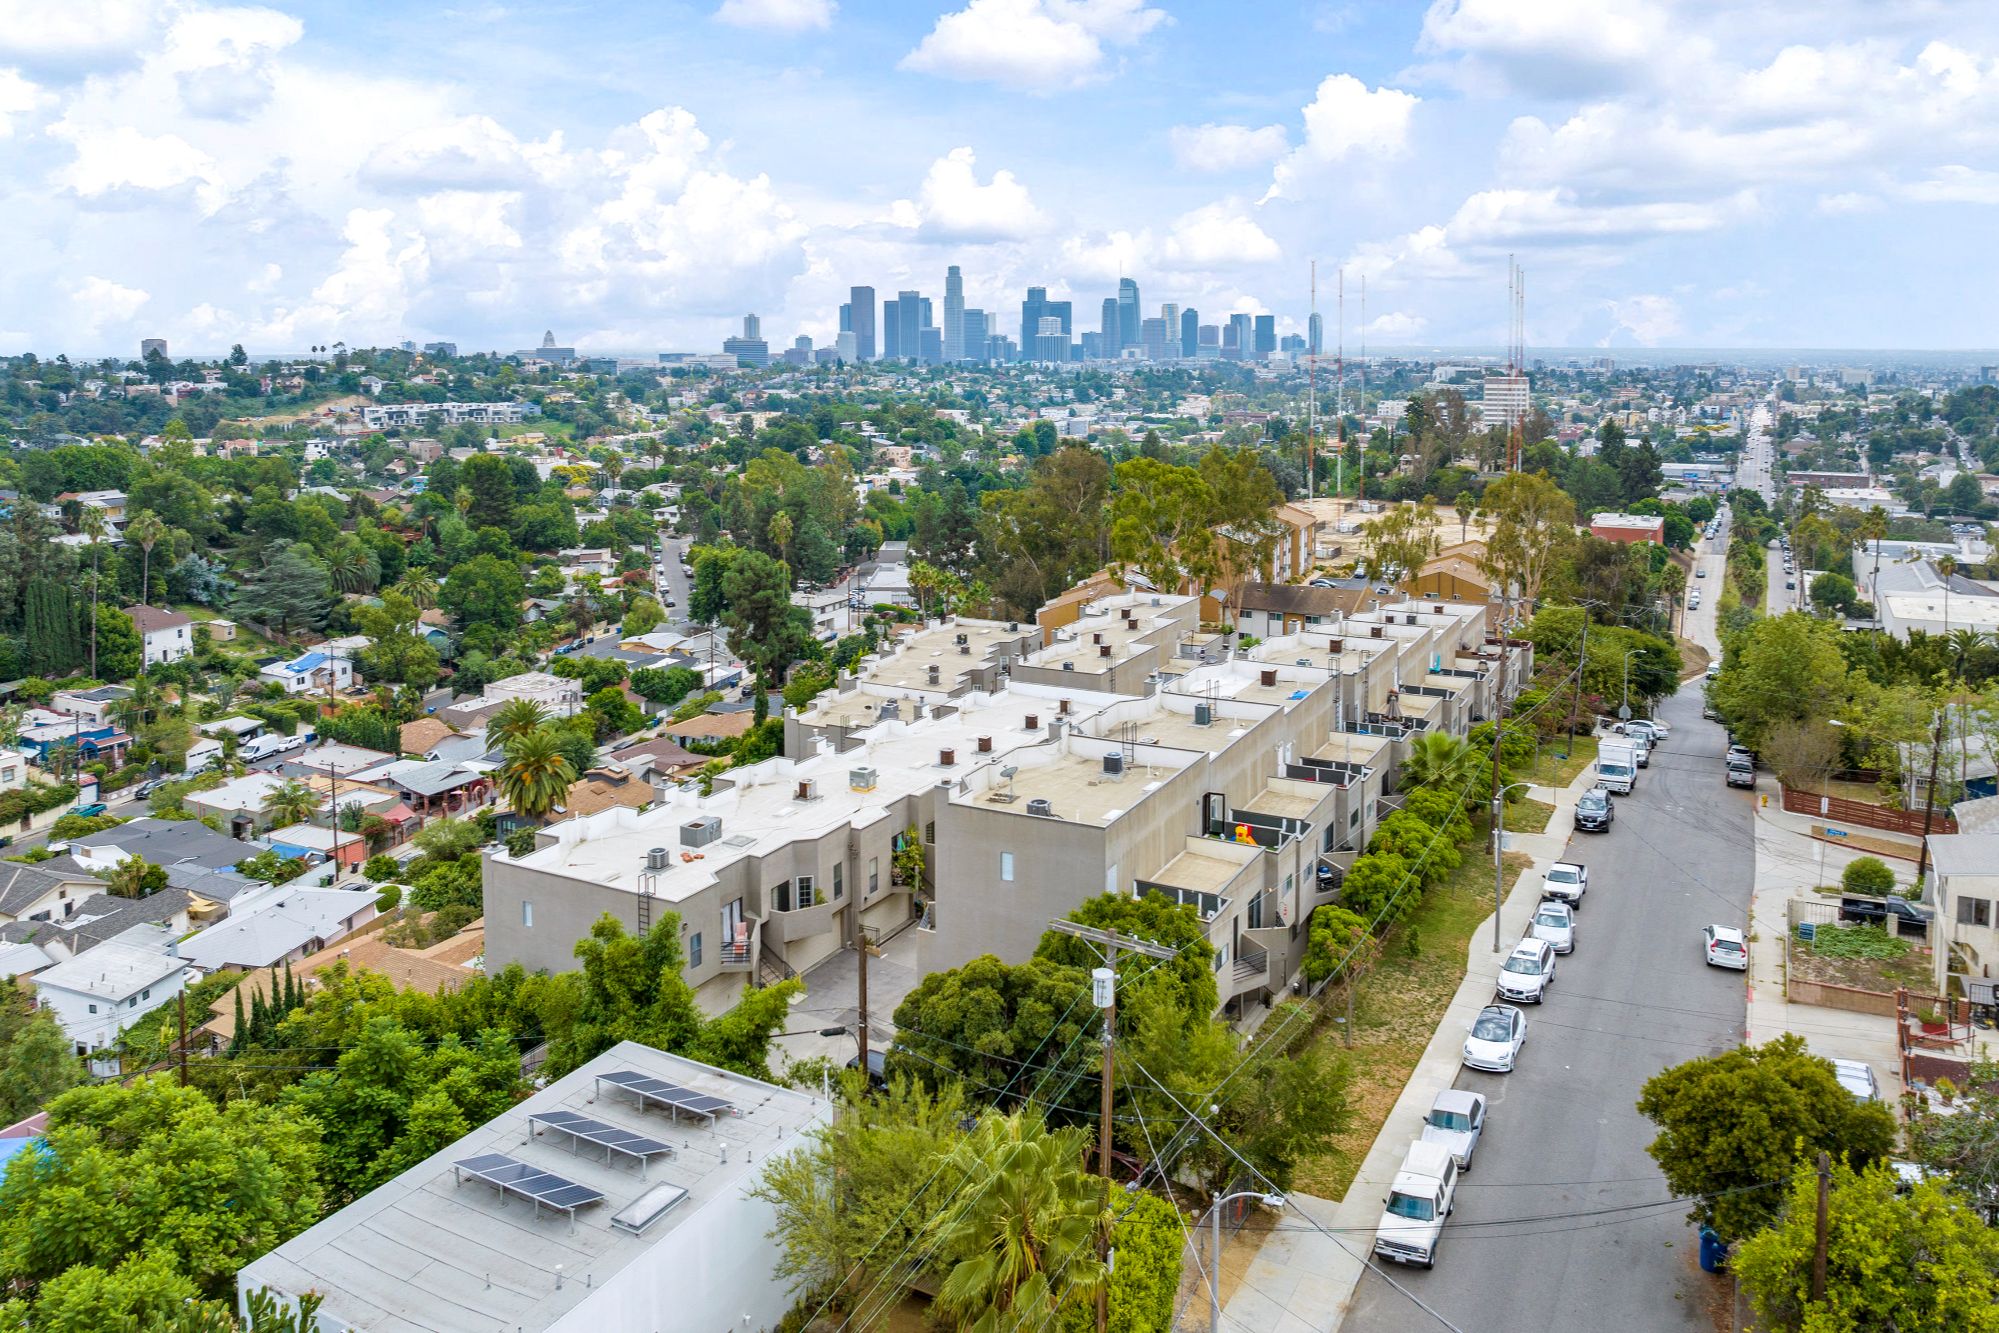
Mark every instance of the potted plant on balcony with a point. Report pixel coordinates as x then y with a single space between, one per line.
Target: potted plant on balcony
1933 1021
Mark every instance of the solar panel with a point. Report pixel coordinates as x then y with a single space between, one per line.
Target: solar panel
675 1098
608 1137
532 1183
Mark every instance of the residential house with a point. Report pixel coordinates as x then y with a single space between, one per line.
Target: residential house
424 736
97 996
42 893
709 727
160 842
1270 609
311 673
167 636
286 923
313 844
1965 893
657 1234
558 695
91 706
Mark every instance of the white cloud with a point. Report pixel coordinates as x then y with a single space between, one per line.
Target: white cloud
469 221
1848 201
1648 318
100 303
1555 48
1227 147
1397 326
1344 119
109 162
1218 236
778 15
18 97
471 153
1038 46
79 37
224 58
1956 184
953 205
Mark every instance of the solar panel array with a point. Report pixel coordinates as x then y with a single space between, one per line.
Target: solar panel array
670 1095
509 1176
608 1137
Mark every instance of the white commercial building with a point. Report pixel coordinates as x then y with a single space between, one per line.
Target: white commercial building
619 1199
558 695
386 415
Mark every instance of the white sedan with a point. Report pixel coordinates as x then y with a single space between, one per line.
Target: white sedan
1496 1038
1555 923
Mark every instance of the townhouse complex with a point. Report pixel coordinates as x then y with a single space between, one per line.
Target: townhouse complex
1036 766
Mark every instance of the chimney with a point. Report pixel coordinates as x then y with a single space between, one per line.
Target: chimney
1104 650
946 758
1062 707
985 745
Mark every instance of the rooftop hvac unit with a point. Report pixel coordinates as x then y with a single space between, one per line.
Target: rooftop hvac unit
946 758
657 859
963 638
1041 805
1268 676
1303 661
1013 627
700 831
1410 618
985 745
1204 715
1374 631
1114 764
1068 666
808 789
1104 650
1033 723
932 669
890 708
861 779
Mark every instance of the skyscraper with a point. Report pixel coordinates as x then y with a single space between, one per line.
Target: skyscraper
1031 311
1108 344
752 327
750 349
1266 335
972 336
891 331
1051 341
954 314
1190 333
846 317
1152 336
909 324
1315 334
1243 327
861 301
1127 312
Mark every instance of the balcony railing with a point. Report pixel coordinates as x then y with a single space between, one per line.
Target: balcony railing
1207 906
734 957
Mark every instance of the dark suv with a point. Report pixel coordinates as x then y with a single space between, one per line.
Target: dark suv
1595 811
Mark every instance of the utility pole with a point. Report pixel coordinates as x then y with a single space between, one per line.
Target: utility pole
1498 804
1103 989
1576 699
1824 1222
861 947
1930 801
183 1038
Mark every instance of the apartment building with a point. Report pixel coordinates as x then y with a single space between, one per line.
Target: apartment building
1134 753
385 415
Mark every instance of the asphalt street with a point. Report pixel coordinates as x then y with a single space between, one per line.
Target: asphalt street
1562 1223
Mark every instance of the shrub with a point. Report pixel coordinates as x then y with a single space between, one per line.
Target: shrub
1869 874
520 842
379 867
79 826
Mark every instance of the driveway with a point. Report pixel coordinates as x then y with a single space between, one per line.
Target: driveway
1563 1222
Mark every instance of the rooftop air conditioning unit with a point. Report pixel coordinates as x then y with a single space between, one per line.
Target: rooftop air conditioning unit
861 779
700 831
1104 650
1096 638
963 638
808 790
985 745
1068 666
1013 627
657 859
1204 715
1062 707
1041 805
1114 764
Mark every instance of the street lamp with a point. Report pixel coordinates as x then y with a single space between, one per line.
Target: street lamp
1498 848
1215 1227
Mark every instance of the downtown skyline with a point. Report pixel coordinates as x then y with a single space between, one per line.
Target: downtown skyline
1668 176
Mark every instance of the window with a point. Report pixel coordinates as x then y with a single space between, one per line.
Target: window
1110 878
806 897
780 897
930 831
527 915
145 995
694 949
1006 867
874 875
1974 911
839 875
93 1008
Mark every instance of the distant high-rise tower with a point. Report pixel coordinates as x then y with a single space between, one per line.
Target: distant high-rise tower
861 300
909 324
1190 333
1266 335
923 319
1242 333
1031 310
752 327
954 314
1051 341
891 331
1108 343
148 346
1152 337
973 335
1315 334
1127 313
846 317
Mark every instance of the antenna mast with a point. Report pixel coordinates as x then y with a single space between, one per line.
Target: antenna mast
1312 381
1340 393
1516 360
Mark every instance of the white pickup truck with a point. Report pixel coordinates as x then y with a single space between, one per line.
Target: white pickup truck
1567 882
1421 1196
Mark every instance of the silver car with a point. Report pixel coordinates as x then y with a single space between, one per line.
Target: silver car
1555 924
1527 971
1456 1120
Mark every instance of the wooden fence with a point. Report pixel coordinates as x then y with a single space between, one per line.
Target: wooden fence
1861 812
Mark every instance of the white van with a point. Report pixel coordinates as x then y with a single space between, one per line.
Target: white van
1422 1195
263 747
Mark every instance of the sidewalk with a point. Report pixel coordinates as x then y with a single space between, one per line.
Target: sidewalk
1788 863
1304 1280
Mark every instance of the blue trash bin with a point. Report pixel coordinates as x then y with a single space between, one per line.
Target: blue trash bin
1714 1251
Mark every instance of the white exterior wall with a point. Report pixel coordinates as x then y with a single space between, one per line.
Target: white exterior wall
1982 942
168 645
100 1029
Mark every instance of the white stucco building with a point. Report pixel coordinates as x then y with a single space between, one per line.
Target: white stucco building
99 993
558 696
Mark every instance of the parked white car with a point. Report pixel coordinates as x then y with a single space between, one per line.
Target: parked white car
1567 881
1420 1197
1456 1120
1496 1037
1525 974
1725 946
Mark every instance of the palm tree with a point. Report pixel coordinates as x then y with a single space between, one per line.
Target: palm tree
780 534
351 567
1466 507
536 776
515 718
1024 1240
1434 757
90 521
290 802
1947 566
420 588
147 529
1961 642
1874 528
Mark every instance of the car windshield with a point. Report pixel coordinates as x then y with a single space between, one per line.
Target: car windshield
1523 964
1493 1027
1545 918
1561 875
1593 804
1456 1120
1412 1206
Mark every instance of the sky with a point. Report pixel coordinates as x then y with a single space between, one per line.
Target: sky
636 176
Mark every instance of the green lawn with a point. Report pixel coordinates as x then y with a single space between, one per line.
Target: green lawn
1397 1009
1524 816
1552 769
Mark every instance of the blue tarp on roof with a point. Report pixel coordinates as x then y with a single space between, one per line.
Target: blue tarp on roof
309 662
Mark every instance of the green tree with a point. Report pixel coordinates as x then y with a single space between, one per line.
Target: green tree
643 616
664 687
1730 1123
120 652
36 1060
134 877
288 589
1867 874
516 718
1965 1145
1918 1262
490 480
1834 593
1151 917
1339 943
1785 667
766 630
485 590
146 530
1010 1031
1533 522
536 775
1022 1239
1436 758
205 1188
1148 1238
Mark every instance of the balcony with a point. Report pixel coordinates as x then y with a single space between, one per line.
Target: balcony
800 920
735 957
1251 972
